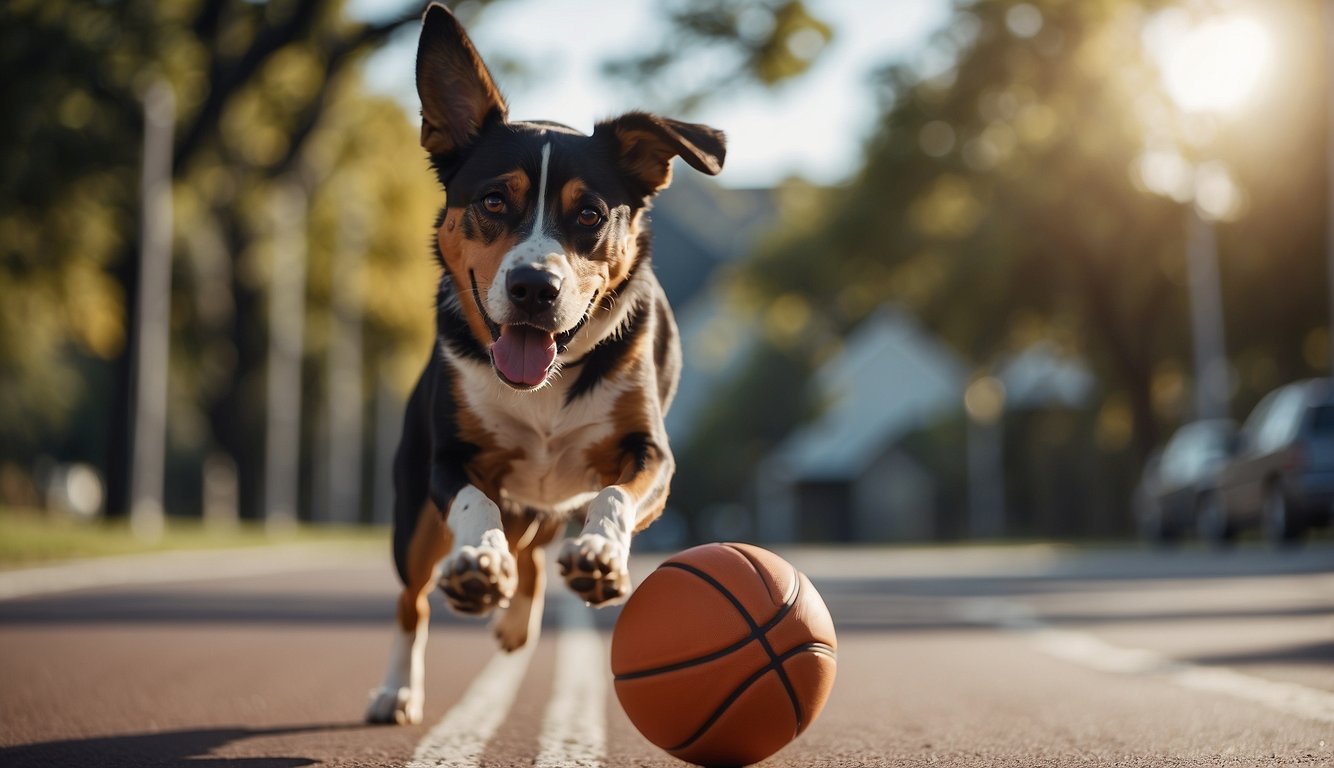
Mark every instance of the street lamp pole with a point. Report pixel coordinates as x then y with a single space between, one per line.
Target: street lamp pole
1206 317
152 321
1209 69
287 313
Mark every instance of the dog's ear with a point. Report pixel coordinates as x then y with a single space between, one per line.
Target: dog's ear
457 92
645 145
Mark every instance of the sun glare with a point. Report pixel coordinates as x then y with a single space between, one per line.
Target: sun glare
1214 66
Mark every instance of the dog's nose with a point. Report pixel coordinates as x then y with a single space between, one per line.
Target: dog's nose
533 290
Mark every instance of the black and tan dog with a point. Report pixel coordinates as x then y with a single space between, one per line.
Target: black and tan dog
556 359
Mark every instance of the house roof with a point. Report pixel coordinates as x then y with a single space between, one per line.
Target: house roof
1040 377
891 378
699 226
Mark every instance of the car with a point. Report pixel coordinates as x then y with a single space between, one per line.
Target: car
1280 476
1179 479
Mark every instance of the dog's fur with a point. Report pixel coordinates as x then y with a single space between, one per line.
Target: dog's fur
556 359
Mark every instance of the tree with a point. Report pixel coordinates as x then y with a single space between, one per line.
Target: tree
1003 199
256 86
717 46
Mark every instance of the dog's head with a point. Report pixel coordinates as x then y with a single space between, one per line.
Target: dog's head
541 223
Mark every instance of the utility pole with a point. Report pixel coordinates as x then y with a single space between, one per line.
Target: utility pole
343 394
984 405
152 320
287 326
1206 317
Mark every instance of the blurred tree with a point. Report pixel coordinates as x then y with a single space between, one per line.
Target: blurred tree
1006 197
256 84
716 46
998 201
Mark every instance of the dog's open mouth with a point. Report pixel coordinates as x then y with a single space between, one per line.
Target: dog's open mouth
523 354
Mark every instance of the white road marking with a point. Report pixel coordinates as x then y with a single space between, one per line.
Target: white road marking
574 729
460 737
1091 652
167 568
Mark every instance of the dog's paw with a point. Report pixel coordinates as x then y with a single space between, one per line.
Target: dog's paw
596 568
394 706
478 579
515 626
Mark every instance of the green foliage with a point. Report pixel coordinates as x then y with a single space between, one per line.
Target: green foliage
717 46
264 97
67 182
1003 200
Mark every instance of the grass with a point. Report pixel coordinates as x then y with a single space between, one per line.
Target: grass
31 537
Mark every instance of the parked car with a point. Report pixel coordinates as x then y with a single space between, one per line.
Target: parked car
1281 473
1179 479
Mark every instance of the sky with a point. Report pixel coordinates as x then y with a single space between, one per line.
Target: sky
813 127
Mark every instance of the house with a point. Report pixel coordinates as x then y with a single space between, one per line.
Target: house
846 476
872 469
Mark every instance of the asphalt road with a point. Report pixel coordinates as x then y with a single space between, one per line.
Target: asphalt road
1011 656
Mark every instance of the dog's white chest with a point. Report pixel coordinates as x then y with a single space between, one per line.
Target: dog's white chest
551 441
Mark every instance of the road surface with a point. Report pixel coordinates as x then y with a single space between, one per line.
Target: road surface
997 656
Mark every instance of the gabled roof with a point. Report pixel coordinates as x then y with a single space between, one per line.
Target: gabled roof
699 226
1041 377
891 378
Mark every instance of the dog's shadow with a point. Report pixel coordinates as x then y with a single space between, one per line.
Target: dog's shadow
166 748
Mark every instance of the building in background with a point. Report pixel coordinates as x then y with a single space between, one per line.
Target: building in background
886 459
847 476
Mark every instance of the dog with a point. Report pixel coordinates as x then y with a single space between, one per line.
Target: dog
556 358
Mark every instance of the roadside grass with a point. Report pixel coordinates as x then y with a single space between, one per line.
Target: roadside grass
31 537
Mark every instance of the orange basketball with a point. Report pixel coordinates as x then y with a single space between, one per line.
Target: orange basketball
723 655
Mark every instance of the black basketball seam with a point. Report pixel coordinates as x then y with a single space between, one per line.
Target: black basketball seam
815 646
755 632
754 566
764 640
741 609
773 666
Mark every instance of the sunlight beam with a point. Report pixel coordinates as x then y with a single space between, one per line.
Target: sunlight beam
1216 65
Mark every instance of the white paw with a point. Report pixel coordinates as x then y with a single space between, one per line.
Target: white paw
478 579
596 568
395 706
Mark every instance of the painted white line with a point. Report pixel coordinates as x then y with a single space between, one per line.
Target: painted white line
1091 652
458 740
166 567
574 729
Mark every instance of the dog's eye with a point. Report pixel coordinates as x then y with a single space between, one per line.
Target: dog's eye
588 217
494 203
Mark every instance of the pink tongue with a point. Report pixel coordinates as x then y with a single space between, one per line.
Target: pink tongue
523 354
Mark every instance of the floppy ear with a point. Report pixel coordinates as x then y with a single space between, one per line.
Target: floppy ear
645 145
457 92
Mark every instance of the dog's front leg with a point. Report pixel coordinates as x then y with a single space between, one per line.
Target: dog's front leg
595 564
479 574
